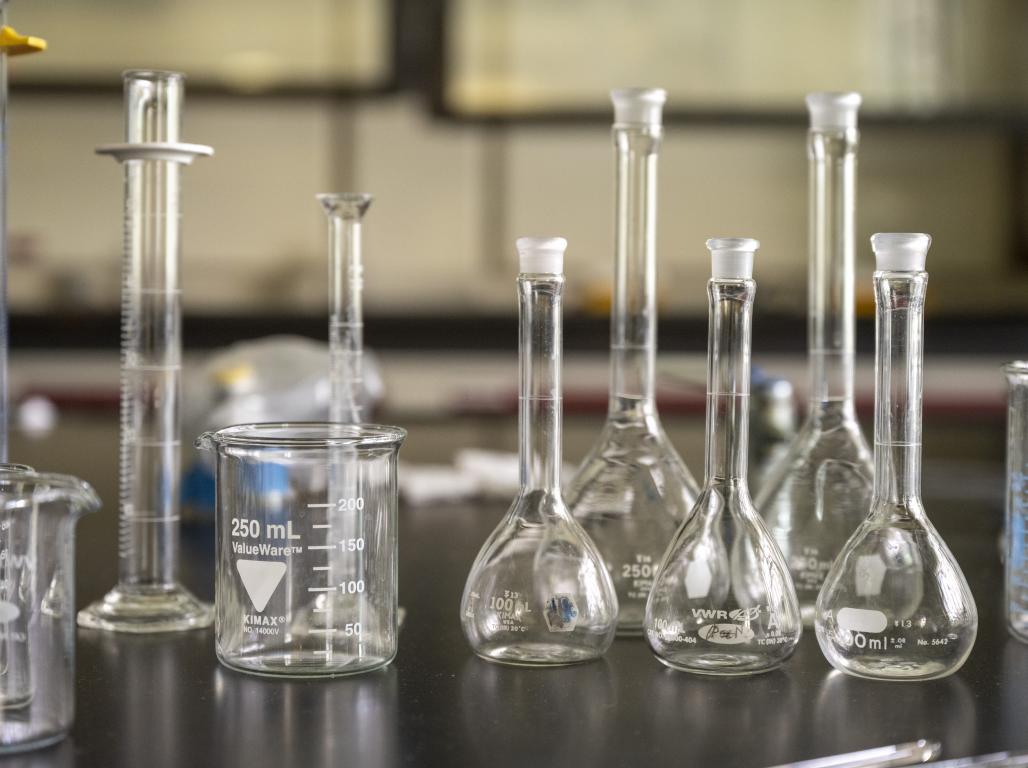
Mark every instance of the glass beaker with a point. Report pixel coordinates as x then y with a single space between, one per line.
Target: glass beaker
37 604
895 604
1017 499
723 602
276 511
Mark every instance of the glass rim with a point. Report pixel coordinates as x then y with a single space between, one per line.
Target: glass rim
1016 368
321 434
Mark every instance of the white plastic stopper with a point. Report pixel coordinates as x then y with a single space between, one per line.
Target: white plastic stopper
900 251
542 255
731 258
833 111
638 106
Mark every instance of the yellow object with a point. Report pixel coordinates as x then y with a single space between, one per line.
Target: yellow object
14 44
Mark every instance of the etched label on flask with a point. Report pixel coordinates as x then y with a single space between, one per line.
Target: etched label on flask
637 577
510 609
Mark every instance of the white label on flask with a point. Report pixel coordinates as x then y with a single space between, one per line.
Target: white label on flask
862 620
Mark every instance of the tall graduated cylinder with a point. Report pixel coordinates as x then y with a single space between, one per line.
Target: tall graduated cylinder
148 596
287 599
1017 499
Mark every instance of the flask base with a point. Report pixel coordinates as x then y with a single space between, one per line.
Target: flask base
897 668
537 655
722 664
145 609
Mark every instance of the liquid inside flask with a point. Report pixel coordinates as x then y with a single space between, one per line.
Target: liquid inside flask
819 490
895 604
632 491
723 602
538 593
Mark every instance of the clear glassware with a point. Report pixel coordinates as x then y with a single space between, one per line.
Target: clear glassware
818 492
38 514
538 593
345 212
1016 559
276 518
723 601
148 596
632 490
895 604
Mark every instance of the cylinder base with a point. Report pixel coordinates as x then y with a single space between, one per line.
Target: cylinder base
141 610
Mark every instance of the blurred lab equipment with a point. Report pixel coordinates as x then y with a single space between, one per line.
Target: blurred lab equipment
11 44
895 604
345 347
632 489
1016 559
277 378
37 604
346 320
819 492
723 602
894 756
772 424
148 596
276 551
538 593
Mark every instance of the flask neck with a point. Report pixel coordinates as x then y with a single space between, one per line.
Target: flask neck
728 379
898 379
345 288
633 312
832 200
539 411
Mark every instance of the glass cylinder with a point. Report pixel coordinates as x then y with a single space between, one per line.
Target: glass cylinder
538 593
346 321
1017 499
148 596
723 602
632 489
895 604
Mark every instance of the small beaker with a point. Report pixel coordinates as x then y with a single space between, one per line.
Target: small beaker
38 513
1017 499
306 573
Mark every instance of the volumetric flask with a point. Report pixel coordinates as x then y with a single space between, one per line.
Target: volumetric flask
284 491
1017 499
38 513
819 491
723 602
538 593
895 604
632 490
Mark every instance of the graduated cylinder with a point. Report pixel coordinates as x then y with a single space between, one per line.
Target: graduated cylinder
148 597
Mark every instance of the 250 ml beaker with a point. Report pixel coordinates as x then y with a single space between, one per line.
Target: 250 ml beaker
38 513
306 569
